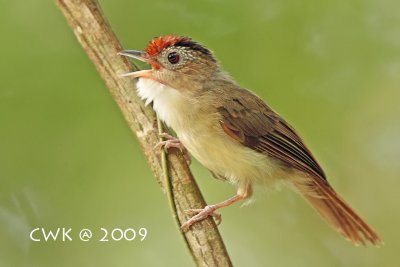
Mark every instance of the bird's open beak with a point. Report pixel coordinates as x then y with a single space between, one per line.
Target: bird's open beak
134 54
142 56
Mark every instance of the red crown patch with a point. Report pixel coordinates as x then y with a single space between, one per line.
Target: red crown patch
156 45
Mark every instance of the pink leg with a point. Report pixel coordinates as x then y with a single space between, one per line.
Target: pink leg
244 191
209 211
173 142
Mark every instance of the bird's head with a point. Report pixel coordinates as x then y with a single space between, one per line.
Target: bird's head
175 61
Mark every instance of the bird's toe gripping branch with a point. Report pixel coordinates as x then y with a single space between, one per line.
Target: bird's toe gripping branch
172 142
209 210
201 214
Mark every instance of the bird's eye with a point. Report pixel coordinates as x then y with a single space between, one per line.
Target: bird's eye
173 57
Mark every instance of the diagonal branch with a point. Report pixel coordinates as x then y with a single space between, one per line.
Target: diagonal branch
99 42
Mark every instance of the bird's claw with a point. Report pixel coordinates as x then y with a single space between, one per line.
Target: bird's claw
172 142
201 214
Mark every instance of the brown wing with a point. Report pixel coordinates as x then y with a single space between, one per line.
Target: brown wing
246 118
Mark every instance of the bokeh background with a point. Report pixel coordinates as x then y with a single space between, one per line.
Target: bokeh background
68 159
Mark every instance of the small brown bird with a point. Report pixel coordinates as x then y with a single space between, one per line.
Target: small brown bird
233 133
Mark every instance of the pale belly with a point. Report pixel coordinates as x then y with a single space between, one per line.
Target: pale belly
225 157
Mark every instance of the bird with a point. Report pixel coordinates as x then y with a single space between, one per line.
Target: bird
233 133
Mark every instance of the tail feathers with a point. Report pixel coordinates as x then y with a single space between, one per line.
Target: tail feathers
337 212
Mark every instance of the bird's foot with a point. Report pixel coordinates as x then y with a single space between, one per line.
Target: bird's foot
209 210
201 214
173 142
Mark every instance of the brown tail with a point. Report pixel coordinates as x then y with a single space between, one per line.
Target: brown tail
337 213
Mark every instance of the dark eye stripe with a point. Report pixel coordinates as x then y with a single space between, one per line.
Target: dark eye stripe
173 57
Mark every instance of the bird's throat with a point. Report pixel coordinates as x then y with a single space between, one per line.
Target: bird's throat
170 105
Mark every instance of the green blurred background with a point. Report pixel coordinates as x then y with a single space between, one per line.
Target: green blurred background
68 159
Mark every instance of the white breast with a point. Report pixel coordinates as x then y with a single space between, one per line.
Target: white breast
167 102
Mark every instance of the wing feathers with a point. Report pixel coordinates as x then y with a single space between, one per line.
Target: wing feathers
255 125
